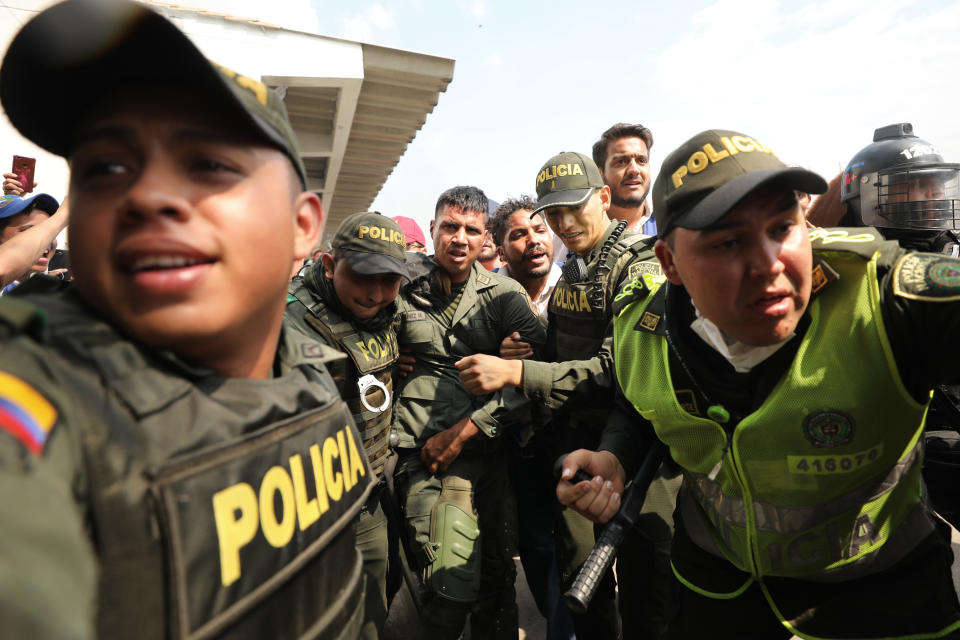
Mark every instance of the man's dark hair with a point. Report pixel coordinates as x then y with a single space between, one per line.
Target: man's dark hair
614 133
465 198
506 209
5 222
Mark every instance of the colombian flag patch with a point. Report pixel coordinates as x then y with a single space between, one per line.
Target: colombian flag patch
24 413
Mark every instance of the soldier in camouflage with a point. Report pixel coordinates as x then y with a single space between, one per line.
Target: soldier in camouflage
348 299
452 471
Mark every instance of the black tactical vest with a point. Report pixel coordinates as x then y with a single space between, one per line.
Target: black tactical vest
217 508
364 379
579 320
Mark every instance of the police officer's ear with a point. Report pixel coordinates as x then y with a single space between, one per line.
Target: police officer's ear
329 264
665 255
308 213
604 193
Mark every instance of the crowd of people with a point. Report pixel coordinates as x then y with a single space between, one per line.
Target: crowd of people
215 426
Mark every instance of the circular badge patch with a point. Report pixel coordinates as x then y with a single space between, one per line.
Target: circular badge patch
828 428
943 275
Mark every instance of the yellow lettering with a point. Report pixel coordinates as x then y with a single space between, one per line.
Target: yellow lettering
577 170
235 514
363 348
307 510
344 461
678 176
357 467
318 476
584 305
697 162
334 480
277 533
562 169
375 233
258 88
744 143
729 145
714 155
362 231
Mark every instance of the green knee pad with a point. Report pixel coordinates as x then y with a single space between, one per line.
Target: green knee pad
454 573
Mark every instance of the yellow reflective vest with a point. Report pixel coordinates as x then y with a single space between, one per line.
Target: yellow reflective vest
823 480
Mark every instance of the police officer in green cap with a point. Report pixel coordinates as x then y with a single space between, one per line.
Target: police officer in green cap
452 472
347 297
576 381
789 372
174 460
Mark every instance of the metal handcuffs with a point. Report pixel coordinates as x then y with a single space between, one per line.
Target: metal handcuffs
368 383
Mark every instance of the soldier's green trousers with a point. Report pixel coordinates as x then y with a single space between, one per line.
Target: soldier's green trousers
371 530
462 528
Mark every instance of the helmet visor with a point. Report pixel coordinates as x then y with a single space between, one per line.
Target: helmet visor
921 198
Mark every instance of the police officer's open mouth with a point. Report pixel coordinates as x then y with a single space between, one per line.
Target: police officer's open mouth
163 262
771 301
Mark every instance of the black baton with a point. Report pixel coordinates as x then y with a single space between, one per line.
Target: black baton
604 552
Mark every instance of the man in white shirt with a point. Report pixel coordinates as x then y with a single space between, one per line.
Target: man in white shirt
623 156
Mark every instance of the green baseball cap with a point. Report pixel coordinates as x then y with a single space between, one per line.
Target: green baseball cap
567 180
710 174
79 47
372 243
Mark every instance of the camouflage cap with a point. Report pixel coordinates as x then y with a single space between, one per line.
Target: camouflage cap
81 46
710 174
567 180
372 243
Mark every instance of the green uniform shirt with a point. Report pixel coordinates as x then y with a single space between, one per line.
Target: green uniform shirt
432 398
110 455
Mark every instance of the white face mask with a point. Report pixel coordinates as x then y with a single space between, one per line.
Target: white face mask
743 357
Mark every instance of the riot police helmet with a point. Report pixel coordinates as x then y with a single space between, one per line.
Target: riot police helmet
901 182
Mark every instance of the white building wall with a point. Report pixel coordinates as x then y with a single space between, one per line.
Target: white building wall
280 56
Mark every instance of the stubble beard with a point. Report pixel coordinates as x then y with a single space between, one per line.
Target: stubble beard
628 203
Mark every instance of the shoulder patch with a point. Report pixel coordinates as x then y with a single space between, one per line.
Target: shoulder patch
413 316
822 274
927 276
648 322
24 413
652 268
